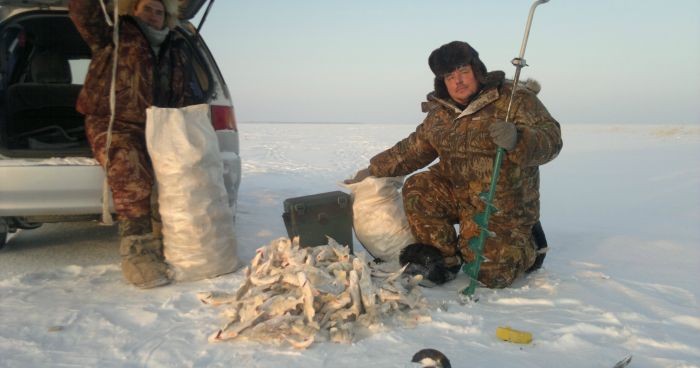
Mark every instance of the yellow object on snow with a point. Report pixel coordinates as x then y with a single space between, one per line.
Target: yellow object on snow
512 335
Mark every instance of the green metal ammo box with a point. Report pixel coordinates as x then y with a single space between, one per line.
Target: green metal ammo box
314 217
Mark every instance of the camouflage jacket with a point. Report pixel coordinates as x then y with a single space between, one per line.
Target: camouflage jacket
143 79
461 141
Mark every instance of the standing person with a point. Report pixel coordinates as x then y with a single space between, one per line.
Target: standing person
150 72
463 129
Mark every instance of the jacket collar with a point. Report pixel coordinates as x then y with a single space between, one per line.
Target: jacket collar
450 105
483 99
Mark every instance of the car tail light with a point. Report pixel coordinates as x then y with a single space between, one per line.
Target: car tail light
223 118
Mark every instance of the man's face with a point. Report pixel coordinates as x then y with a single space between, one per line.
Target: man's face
461 84
151 12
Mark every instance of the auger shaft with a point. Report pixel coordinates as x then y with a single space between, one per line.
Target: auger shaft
482 219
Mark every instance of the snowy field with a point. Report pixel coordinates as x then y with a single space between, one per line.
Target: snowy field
620 206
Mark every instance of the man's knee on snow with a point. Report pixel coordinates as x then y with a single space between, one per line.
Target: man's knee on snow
504 264
497 276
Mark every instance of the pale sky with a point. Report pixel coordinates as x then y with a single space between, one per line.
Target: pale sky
599 61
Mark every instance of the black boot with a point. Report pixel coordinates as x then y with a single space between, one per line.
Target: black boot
427 261
540 246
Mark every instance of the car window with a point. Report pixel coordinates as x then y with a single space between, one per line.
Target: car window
200 74
78 70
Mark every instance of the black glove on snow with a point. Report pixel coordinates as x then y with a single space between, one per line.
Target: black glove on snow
425 260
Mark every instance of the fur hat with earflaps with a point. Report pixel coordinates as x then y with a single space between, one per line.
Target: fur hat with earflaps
456 54
172 10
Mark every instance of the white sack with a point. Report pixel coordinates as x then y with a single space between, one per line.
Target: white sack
198 229
378 217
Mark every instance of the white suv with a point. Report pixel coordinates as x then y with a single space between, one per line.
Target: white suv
47 173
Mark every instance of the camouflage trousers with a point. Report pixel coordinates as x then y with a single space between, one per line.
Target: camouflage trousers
433 208
130 174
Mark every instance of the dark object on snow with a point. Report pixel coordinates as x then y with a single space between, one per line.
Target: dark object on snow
426 260
541 243
316 216
431 358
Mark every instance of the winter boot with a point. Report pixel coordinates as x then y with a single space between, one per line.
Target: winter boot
143 264
426 260
540 245
157 229
135 226
156 221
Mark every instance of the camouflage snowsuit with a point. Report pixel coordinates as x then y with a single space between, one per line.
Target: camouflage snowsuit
143 80
448 193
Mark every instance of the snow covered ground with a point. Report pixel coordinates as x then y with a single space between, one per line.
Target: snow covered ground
621 208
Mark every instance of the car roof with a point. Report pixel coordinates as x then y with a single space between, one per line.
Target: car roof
188 8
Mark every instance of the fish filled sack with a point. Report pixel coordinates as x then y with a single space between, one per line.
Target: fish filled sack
198 224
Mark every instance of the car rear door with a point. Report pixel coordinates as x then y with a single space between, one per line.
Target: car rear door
188 8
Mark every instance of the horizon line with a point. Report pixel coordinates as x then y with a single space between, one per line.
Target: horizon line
418 123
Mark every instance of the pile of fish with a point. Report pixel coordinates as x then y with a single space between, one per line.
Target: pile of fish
300 295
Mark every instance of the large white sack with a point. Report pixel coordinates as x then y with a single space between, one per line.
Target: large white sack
378 217
198 229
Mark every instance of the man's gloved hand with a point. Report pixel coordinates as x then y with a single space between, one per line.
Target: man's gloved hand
359 176
425 260
504 134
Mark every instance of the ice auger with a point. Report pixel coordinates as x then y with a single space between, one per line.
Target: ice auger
476 244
